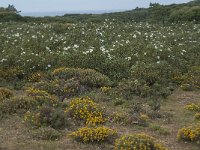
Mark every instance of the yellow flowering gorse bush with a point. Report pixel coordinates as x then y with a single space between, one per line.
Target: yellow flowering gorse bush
87 110
191 134
193 107
138 142
99 134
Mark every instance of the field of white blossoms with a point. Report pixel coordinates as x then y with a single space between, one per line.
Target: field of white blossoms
108 85
111 48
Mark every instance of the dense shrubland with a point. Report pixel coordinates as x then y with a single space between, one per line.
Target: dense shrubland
84 80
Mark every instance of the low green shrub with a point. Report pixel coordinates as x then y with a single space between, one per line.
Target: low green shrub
128 88
190 80
59 87
197 116
46 133
159 129
153 73
87 77
47 116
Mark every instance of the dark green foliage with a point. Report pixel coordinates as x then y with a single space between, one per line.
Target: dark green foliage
156 13
159 13
9 14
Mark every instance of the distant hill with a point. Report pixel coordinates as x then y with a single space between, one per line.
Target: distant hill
156 13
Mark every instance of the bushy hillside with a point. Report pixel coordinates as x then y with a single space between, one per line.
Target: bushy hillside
101 82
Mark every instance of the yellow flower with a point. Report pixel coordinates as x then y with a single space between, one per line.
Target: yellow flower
87 110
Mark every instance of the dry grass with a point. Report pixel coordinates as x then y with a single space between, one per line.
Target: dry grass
14 134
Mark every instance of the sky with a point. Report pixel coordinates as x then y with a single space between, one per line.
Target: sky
80 5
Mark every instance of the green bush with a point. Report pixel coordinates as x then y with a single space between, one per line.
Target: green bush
153 73
159 129
59 87
9 16
87 77
47 116
197 116
128 88
154 103
192 78
131 87
46 133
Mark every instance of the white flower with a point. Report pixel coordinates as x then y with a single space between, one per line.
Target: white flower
49 65
76 46
128 58
184 51
3 60
17 35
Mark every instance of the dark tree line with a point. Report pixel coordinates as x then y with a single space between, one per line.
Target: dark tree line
156 13
9 14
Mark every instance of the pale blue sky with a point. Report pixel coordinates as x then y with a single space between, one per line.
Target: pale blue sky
79 5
